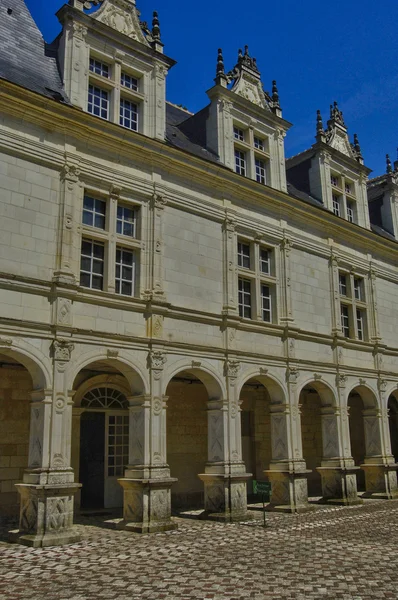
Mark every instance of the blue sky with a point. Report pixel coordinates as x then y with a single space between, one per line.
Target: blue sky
317 51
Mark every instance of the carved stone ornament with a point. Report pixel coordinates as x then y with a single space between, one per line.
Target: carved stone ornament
232 368
121 15
157 359
159 202
341 380
64 311
5 342
62 350
382 383
292 374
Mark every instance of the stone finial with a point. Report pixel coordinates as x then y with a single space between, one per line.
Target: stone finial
319 122
155 27
357 148
388 164
275 94
336 115
221 78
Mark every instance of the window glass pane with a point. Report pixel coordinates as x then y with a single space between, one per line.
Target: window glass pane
265 261
244 255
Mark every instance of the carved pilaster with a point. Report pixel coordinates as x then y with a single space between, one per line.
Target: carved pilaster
230 292
155 275
287 308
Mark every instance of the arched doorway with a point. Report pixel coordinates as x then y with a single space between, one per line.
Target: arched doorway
357 435
16 387
256 431
393 425
187 438
319 433
101 432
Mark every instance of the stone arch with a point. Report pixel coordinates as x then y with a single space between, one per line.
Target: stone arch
35 364
326 393
368 395
319 431
133 373
264 428
194 429
23 378
275 387
213 383
364 427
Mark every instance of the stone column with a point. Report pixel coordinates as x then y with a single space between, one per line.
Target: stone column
48 488
147 482
225 474
287 472
379 464
337 470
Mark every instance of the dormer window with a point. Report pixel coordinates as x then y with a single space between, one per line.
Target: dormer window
261 173
98 102
240 162
99 68
128 114
129 82
336 205
239 134
334 180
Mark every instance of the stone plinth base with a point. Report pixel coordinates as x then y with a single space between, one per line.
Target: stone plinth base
147 505
225 496
46 515
289 491
339 485
381 480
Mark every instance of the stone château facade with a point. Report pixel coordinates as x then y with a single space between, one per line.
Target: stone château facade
182 310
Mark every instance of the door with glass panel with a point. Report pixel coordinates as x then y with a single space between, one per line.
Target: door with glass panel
104 443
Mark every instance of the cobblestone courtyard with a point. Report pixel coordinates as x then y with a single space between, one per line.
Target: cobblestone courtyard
332 553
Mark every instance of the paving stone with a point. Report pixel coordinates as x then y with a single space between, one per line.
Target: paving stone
334 553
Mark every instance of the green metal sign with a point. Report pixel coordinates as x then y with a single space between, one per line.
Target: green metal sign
261 487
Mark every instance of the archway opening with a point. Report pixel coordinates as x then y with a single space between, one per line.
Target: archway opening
187 439
256 431
311 432
393 425
16 386
357 435
100 434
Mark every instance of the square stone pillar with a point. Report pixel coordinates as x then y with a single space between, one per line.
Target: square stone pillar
147 482
379 465
287 472
338 472
225 474
48 488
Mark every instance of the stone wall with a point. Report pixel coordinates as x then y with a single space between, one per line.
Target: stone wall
187 441
311 432
15 389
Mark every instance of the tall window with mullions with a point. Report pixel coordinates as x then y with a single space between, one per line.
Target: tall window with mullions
92 264
125 272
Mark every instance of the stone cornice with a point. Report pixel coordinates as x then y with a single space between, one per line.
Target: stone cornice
56 117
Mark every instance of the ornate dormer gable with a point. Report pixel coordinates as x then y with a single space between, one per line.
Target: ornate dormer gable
383 198
332 170
336 134
245 126
113 63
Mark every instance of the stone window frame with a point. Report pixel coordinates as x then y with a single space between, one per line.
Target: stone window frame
354 305
255 147
117 91
343 192
113 241
257 277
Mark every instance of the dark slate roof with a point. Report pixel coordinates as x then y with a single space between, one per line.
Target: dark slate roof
293 191
186 137
25 59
